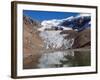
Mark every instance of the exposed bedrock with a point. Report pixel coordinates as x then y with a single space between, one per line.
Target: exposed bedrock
81 39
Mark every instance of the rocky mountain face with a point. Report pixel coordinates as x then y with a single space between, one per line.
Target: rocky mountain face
79 22
32 41
81 39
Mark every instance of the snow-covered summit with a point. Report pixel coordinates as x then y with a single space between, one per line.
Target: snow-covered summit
73 22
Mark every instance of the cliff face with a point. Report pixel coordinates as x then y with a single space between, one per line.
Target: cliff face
32 41
82 39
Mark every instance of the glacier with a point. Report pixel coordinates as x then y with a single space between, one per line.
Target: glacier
55 40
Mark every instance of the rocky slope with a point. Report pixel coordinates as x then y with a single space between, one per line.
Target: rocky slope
81 39
32 42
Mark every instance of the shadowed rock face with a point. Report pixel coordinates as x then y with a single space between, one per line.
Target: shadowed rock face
80 23
82 39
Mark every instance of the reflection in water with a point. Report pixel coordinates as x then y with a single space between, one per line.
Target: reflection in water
64 59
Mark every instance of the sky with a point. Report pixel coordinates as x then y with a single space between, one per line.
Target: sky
47 15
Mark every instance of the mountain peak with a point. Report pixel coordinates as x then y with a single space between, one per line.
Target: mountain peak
77 23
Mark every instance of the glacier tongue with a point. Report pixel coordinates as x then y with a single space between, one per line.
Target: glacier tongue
54 40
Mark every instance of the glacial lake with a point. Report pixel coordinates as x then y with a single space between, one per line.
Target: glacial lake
65 59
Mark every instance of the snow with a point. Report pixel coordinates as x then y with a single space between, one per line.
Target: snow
48 24
89 22
65 28
69 18
83 14
55 40
51 24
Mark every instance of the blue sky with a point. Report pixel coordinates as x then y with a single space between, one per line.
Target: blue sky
47 15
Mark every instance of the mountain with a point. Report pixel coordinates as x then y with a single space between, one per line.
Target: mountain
83 39
53 24
52 35
31 22
78 23
32 42
66 33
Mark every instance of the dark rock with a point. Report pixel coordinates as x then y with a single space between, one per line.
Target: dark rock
83 39
79 23
28 21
